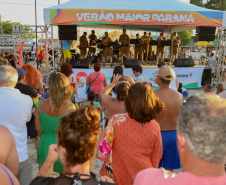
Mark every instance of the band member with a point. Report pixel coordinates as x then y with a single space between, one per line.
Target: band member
83 45
160 49
176 41
138 48
150 46
125 42
66 46
145 45
116 49
92 42
107 50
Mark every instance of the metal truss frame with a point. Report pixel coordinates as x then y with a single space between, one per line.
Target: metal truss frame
220 51
21 33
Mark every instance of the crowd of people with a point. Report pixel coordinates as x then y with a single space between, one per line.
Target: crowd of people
147 133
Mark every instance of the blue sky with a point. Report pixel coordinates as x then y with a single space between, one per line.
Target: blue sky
24 10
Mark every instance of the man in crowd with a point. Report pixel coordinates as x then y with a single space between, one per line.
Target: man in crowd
66 45
201 146
83 45
167 119
28 90
208 89
145 45
92 43
160 48
15 113
107 50
175 83
139 49
125 43
137 71
211 63
33 51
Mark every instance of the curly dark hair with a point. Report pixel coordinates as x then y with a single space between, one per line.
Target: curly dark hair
78 133
142 103
121 90
66 69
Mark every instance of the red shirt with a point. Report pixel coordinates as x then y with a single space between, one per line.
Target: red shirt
41 55
98 85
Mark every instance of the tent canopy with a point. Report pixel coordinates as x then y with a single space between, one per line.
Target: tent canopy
171 15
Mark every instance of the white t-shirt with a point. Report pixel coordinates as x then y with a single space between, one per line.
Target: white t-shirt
141 78
81 96
173 84
34 49
15 112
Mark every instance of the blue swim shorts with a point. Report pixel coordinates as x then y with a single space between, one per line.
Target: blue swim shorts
170 158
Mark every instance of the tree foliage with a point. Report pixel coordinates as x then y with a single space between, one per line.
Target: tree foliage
185 37
210 4
7 28
197 2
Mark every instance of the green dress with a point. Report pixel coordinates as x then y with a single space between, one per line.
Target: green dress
49 127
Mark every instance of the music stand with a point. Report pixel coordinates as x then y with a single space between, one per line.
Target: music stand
135 41
153 42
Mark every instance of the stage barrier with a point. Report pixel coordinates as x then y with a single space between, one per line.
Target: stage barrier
190 77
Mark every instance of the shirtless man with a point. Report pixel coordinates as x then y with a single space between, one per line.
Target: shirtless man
167 119
115 106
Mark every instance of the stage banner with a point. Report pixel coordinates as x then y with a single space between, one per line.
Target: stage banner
190 77
135 17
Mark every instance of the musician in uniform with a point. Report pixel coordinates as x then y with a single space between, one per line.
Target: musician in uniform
176 41
107 50
92 42
146 41
125 42
150 46
83 45
160 49
139 48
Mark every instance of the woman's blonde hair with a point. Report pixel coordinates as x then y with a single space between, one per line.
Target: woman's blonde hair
60 91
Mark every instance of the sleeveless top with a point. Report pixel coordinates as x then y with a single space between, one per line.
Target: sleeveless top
96 105
10 178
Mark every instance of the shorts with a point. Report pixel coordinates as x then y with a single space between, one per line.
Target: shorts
160 50
67 53
107 52
175 50
124 49
92 50
170 158
31 129
82 51
98 97
25 175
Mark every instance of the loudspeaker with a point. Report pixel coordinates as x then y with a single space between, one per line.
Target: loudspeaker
94 60
129 63
204 33
206 76
187 62
80 63
67 32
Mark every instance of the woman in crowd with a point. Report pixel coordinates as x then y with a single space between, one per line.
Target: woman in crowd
97 81
66 69
91 97
77 137
183 91
49 112
220 88
132 141
33 78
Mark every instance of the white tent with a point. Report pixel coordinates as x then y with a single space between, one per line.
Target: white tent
173 15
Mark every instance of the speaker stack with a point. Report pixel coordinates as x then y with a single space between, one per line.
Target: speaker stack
67 32
129 63
204 33
80 63
187 62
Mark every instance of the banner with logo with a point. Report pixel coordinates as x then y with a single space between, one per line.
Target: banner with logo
190 77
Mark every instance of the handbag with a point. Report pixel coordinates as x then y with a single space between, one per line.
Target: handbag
88 86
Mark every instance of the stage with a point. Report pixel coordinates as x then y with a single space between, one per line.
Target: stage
190 77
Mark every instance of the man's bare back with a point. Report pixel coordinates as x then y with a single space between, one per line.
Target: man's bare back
172 100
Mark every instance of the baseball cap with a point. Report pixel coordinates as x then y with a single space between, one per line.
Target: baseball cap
21 72
165 72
